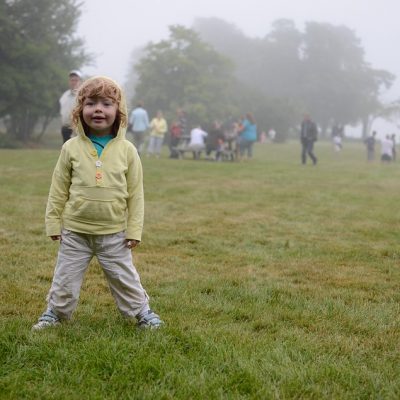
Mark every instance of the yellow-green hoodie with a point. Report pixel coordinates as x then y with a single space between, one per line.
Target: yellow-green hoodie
95 195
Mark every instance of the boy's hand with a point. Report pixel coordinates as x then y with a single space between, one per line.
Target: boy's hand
131 243
56 237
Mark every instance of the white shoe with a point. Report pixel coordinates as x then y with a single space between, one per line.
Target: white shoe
44 324
46 320
149 320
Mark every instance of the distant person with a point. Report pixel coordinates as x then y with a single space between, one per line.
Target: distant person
393 137
370 144
231 128
335 130
67 103
272 134
337 143
174 138
197 141
215 141
139 123
337 137
247 135
159 127
386 149
96 207
308 136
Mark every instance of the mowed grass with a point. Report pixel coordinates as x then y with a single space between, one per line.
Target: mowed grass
275 281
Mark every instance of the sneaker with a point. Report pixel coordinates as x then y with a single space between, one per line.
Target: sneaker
46 320
149 320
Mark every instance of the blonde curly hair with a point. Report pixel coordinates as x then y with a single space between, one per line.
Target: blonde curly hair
100 86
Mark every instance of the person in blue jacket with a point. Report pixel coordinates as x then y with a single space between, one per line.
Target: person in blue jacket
247 135
139 123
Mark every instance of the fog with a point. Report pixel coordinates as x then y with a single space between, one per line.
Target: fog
113 29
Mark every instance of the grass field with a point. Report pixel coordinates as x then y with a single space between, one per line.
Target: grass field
275 280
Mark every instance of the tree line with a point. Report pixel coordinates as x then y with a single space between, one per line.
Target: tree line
215 70
212 70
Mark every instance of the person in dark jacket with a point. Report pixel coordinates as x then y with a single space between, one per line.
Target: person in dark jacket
370 142
308 136
215 141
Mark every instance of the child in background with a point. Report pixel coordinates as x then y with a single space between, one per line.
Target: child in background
175 136
96 207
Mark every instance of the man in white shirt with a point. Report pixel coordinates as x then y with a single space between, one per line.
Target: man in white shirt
197 141
67 103
386 149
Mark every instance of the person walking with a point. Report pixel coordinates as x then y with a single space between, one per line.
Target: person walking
394 153
139 120
370 142
308 136
67 103
96 207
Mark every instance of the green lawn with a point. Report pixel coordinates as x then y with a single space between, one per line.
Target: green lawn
275 280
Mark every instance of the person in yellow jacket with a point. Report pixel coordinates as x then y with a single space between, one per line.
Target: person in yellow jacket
158 127
96 207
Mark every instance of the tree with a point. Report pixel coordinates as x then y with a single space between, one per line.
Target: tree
369 104
281 61
339 85
37 49
389 111
230 41
185 71
321 70
132 77
267 70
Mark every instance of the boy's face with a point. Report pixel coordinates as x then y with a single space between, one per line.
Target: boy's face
99 114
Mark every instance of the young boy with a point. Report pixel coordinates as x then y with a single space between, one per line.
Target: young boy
96 207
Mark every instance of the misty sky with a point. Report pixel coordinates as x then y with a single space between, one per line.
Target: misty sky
112 29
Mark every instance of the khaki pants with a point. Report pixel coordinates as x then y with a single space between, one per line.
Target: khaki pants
76 251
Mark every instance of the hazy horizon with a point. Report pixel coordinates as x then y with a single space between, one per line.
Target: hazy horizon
112 30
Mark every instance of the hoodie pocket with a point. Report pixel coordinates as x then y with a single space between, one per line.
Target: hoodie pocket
87 209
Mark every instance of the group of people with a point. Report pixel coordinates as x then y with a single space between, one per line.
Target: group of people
309 135
235 138
388 147
231 140
139 125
